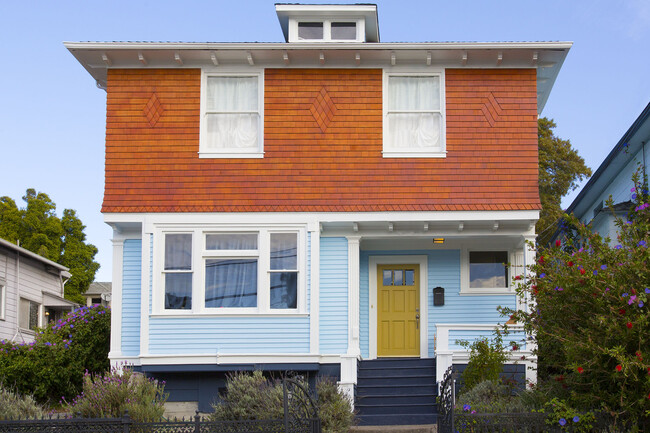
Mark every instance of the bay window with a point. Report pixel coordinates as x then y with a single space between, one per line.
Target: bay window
414 121
233 272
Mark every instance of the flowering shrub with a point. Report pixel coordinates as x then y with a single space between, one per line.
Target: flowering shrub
490 396
18 406
589 315
111 394
53 365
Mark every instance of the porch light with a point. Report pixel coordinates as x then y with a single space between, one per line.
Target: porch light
438 240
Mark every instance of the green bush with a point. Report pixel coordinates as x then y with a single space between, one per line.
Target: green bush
115 392
53 365
14 405
589 315
253 396
486 359
490 396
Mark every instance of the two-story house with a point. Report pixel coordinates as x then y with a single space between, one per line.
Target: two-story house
613 178
31 292
331 204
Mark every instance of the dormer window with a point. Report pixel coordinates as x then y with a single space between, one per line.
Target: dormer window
326 30
328 23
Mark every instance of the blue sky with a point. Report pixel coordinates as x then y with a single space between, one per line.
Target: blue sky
52 117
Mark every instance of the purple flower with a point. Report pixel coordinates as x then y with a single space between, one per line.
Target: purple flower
647 290
542 275
562 422
576 418
641 243
603 267
595 272
466 407
624 295
618 247
640 304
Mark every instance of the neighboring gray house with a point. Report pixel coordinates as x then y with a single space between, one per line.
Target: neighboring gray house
99 293
614 177
31 292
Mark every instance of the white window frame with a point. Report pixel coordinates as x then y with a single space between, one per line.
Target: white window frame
465 289
3 299
327 29
258 152
200 254
39 319
415 153
191 271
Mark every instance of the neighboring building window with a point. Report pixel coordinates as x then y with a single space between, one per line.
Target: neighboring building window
2 301
284 270
488 269
232 118
231 276
95 301
29 315
414 123
178 271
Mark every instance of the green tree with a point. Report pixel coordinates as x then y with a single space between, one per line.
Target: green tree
37 228
560 170
589 315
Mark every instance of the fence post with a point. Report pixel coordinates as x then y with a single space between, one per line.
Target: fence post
453 403
285 405
126 422
197 423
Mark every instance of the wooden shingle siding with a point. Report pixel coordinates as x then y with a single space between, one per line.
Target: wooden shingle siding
333 296
491 163
131 281
228 335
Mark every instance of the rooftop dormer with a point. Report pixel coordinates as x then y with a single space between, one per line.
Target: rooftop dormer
328 23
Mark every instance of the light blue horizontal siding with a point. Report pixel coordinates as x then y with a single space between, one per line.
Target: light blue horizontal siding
131 283
333 299
228 335
471 335
443 271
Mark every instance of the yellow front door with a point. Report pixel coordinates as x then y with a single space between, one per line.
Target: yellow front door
398 310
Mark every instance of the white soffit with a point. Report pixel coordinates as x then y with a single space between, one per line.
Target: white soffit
545 57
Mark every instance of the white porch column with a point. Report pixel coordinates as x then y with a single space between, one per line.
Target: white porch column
529 258
349 361
353 295
116 299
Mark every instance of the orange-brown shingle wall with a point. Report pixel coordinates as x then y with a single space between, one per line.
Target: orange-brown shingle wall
318 161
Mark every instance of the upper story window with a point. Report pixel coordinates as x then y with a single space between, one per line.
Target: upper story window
414 124
232 119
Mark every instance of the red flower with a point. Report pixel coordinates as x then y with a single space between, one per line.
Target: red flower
558 243
580 370
518 277
570 263
582 271
629 325
638 355
541 259
633 291
621 311
648 371
559 378
619 368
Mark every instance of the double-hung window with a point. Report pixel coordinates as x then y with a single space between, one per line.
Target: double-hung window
29 314
2 300
177 271
414 123
231 123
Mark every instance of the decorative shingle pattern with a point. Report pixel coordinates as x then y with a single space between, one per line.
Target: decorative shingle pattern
153 110
489 166
491 109
323 109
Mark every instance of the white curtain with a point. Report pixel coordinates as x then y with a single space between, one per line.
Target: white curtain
414 119
231 283
232 113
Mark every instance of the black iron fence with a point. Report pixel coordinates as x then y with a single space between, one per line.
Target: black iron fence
451 421
300 416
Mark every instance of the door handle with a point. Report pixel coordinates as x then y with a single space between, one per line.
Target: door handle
417 321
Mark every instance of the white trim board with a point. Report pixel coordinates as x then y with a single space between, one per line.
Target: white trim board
373 261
